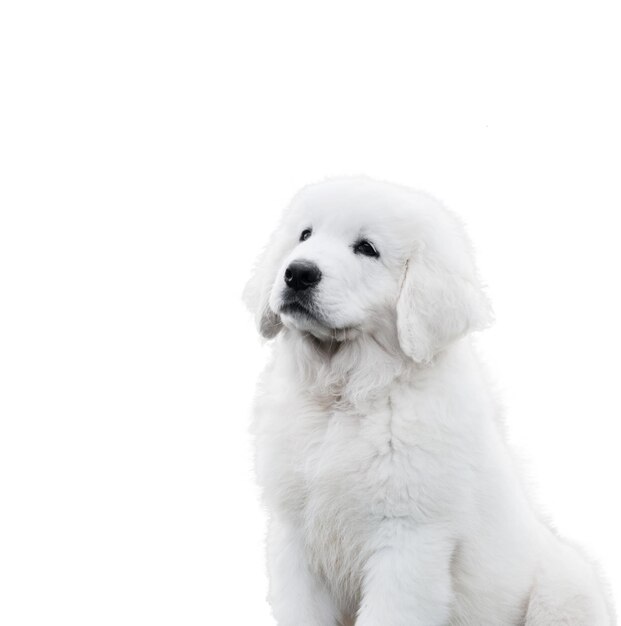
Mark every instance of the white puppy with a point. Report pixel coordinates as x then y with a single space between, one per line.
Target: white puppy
393 498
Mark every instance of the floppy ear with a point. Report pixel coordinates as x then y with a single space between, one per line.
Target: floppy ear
437 306
258 288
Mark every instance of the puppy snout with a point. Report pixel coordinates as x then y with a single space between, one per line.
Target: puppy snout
302 275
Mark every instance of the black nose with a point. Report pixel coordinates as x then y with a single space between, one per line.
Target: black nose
302 275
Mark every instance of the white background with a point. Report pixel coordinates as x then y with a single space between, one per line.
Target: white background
147 149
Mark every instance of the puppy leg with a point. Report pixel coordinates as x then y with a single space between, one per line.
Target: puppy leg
297 596
567 592
407 579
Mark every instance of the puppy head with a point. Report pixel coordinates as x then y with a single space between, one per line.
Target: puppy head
355 256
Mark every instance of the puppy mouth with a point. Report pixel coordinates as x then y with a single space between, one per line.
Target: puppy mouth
296 308
310 321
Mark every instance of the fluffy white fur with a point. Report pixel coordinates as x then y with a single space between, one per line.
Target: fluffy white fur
393 498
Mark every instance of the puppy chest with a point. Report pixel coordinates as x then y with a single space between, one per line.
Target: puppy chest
337 518
350 481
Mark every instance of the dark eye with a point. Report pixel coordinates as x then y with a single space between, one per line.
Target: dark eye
366 247
306 233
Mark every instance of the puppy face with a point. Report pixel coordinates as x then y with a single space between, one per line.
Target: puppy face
342 273
355 256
